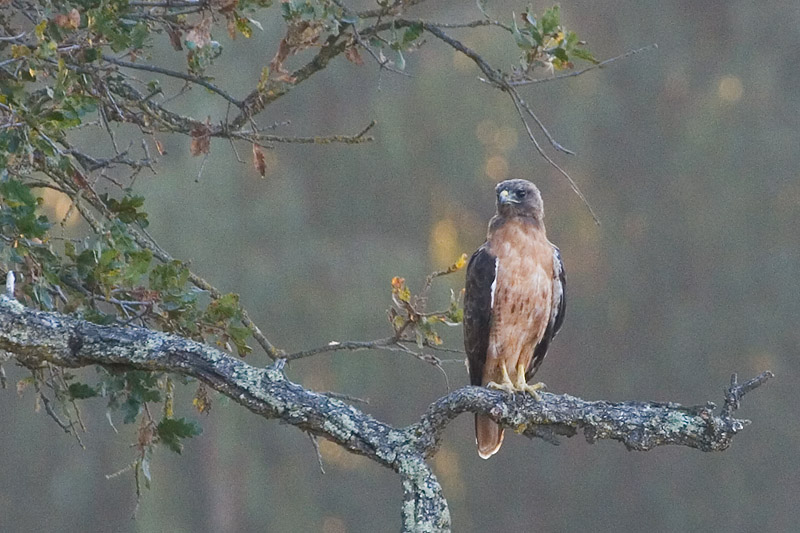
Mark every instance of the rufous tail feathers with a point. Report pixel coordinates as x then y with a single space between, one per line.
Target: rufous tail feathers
488 435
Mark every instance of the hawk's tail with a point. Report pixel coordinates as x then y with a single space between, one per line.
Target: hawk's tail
488 435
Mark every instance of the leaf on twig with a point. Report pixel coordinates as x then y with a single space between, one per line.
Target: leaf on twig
400 293
199 36
201 139
172 430
175 35
353 55
202 400
226 6
300 35
259 162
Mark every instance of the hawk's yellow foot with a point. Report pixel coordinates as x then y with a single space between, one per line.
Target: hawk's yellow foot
533 390
506 384
522 386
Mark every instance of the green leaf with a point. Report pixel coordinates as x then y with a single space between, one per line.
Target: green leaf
138 265
168 276
127 209
69 250
550 20
243 25
81 391
172 430
412 33
522 40
15 193
239 335
224 308
586 55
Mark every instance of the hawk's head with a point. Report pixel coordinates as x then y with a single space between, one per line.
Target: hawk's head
519 198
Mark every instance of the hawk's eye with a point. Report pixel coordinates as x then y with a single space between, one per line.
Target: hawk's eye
522 194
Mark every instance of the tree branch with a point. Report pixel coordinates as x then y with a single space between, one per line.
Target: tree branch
174 74
34 337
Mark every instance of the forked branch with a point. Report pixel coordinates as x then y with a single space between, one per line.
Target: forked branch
34 338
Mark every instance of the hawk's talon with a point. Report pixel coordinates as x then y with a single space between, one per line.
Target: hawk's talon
505 387
534 389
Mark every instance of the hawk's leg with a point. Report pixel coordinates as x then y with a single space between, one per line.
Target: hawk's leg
506 384
522 386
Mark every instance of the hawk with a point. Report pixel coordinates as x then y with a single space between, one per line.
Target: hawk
514 301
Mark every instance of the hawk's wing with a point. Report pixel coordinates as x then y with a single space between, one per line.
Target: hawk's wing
557 311
478 296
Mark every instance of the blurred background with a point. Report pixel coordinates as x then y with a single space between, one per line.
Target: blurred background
689 155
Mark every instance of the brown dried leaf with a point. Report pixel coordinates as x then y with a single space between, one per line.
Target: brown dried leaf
276 65
353 55
200 35
175 38
258 161
201 139
70 21
300 35
226 6
80 180
145 434
202 400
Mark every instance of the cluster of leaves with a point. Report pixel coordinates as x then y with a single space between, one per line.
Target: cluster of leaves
408 315
545 43
109 278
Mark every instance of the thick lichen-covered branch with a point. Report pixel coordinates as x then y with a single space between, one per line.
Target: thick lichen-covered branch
36 338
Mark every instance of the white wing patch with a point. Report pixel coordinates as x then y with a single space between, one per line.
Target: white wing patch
558 288
494 282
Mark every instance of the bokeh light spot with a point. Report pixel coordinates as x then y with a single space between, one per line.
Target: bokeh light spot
497 168
505 139
443 246
333 524
58 205
485 131
730 89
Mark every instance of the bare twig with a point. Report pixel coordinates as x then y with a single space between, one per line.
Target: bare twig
572 184
599 65
736 391
389 343
345 139
175 74
315 444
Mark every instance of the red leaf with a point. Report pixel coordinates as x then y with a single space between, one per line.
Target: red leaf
258 161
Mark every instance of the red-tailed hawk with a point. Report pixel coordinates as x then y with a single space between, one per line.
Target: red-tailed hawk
514 301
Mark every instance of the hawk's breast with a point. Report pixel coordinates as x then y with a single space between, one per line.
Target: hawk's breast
522 296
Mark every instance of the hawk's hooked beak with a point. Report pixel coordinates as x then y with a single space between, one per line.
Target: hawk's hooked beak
506 198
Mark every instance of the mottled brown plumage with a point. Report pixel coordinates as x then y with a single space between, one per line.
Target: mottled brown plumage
514 301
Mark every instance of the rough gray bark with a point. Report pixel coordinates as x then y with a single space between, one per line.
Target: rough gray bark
33 337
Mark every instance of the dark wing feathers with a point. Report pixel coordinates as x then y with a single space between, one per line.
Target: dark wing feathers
556 316
478 310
